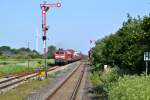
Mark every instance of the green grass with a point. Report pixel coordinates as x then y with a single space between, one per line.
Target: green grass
112 85
21 92
18 66
12 69
10 62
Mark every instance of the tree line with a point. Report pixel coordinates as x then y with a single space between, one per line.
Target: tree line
24 53
21 53
125 48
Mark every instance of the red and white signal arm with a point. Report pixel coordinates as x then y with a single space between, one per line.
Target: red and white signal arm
58 4
43 11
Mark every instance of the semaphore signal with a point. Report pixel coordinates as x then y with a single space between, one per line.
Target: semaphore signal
45 7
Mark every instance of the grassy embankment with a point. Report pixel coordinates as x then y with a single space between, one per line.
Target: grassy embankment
9 67
20 92
113 85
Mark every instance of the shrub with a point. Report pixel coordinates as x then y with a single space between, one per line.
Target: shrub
101 81
130 88
95 78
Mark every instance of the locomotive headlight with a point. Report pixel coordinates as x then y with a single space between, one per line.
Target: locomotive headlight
62 56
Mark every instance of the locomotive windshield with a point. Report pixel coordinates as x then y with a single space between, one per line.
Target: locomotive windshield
59 52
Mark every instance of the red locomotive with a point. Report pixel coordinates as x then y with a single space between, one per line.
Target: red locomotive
66 56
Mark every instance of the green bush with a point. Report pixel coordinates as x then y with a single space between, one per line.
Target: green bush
101 80
3 63
95 78
130 88
111 85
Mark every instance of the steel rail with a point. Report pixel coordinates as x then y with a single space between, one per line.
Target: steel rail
74 94
16 82
20 80
68 77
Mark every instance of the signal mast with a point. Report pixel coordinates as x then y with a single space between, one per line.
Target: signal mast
92 42
45 7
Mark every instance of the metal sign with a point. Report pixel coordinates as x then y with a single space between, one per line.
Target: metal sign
146 56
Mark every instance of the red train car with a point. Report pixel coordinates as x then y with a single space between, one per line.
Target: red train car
60 57
66 56
70 55
77 56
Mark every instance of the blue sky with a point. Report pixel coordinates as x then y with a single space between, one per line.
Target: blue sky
71 26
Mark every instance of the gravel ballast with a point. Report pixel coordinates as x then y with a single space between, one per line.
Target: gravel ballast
45 91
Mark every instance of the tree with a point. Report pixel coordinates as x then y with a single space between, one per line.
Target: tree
125 48
21 53
51 50
4 48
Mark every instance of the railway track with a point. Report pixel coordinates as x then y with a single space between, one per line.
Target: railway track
12 81
68 89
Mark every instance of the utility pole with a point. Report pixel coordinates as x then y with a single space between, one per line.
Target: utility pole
45 7
90 51
146 68
146 59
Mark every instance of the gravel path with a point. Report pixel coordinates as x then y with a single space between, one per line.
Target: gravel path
88 91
